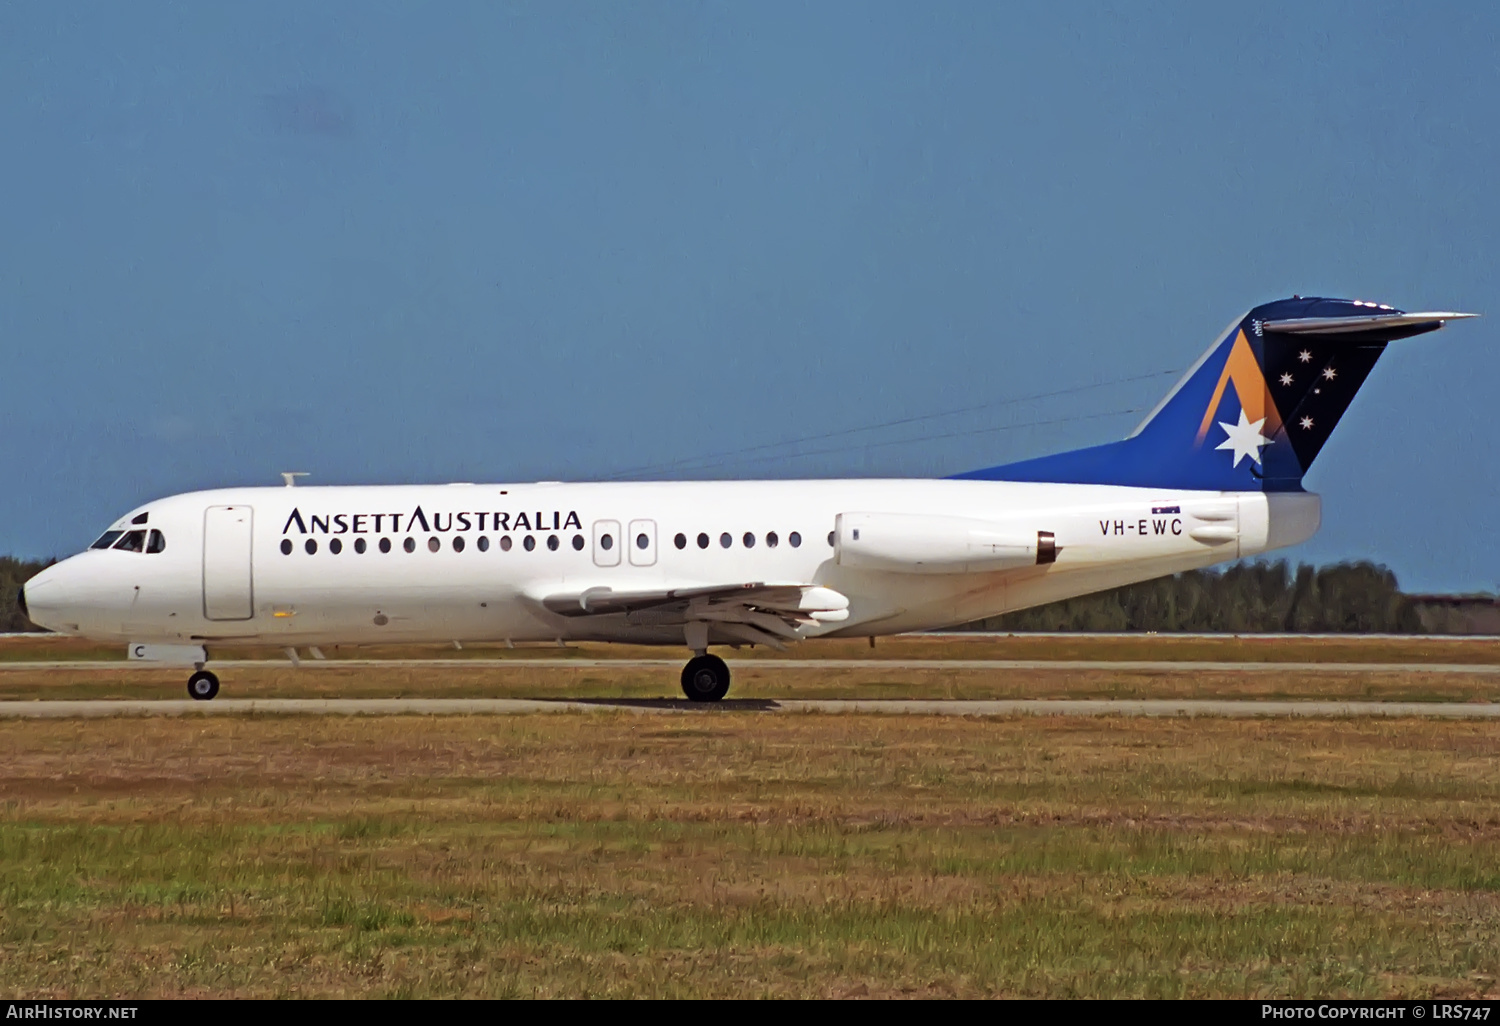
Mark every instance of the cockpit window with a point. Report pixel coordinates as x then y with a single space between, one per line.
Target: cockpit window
134 541
156 543
106 539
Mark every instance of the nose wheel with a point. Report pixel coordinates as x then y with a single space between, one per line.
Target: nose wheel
203 686
705 678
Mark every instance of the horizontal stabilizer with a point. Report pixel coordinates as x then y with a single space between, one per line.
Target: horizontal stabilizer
1385 327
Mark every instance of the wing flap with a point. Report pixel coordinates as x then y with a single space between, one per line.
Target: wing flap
603 600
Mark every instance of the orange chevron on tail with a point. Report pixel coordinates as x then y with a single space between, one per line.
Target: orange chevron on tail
1243 369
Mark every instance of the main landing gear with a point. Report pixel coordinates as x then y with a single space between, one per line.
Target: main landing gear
203 686
705 678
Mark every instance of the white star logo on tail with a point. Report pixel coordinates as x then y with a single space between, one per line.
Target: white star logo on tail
1244 438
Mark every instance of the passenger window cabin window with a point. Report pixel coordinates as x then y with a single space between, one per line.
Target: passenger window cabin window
134 541
830 539
552 542
578 543
286 546
410 545
360 545
385 545
528 543
794 539
311 545
483 543
606 542
680 541
107 539
726 540
458 544
749 540
335 546
771 539
433 544
702 540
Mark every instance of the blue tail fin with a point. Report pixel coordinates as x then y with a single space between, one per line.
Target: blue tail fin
1253 413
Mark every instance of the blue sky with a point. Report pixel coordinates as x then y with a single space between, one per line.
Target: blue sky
430 242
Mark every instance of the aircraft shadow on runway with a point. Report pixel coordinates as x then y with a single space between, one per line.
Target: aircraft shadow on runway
728 704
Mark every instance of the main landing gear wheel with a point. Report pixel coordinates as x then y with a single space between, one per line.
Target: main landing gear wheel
203 685
705 678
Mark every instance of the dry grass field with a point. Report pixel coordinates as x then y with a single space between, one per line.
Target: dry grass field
735 854
729 853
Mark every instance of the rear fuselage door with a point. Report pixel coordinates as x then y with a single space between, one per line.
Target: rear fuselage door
642 541
607 542
226 563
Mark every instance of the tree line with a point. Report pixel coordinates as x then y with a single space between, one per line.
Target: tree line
1246 598
14 573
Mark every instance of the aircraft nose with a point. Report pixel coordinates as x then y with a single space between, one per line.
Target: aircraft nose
40 598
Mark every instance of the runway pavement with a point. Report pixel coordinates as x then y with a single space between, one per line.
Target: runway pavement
513 706
563 663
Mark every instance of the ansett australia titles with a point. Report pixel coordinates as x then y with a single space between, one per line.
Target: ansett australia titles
407 523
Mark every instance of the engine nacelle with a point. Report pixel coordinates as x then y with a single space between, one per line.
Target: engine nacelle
915 543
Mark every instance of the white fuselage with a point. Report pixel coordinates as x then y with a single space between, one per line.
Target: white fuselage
283 566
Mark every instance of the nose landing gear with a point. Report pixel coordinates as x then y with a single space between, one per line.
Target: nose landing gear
705 678
203 686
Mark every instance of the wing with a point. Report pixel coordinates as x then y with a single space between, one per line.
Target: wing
758 612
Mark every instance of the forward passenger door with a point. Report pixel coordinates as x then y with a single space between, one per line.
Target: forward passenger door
226 563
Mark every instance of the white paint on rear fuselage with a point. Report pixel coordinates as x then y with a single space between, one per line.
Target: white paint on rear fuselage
1106 536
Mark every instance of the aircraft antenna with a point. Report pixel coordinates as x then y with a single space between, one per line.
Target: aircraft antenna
290 476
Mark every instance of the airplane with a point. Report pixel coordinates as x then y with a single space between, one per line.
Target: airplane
1214 473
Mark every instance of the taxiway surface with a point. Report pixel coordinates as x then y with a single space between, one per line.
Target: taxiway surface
1116 665
95 709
